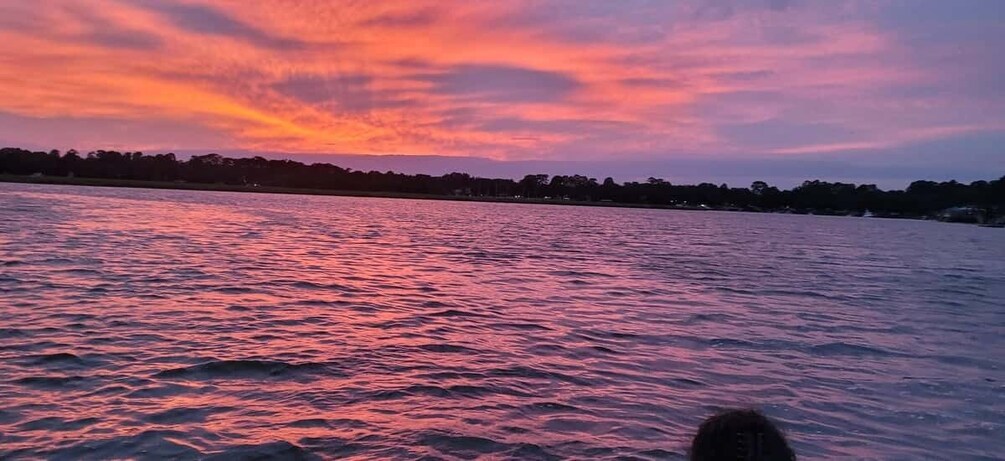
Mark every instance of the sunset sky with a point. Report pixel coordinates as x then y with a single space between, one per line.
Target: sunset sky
881 91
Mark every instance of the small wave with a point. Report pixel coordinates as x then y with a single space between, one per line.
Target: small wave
51 382
623 335
572 425
57 424
455 313
799 294
272 450
77 317
657 453
9 416
842 348
308 423
466 446
460 391
305 285
317 302
60 359
739 291
584 274
605 350
730 343
58 261
158 392
445 348
79 271
595 334
522 326
700 318
121 323
266 337
151 444
31 346
233 369
463 444
113 389
299 321
689 382
548 349
185 415
433 391
233 290
25 209
550 407
534 373
440 376
365 308
12 333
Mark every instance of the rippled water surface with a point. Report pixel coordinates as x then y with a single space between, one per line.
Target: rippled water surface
175 324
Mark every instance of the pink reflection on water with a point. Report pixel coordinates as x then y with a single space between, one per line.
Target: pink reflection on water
390 328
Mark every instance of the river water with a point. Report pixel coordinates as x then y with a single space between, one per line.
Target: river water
176 324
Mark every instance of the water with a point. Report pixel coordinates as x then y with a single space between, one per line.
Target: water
152 324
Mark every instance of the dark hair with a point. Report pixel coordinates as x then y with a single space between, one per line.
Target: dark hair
740 435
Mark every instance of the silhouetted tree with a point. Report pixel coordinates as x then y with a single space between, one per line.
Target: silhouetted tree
921 198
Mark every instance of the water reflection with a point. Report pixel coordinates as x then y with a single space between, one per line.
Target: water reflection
185 324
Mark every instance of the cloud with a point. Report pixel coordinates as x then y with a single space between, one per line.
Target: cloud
123 38
651 82
522 125
81 24
744 76
317 89
340 92
416 18
715 10
773 134
106 32
554 80
210 21
779 5
499 83
87 133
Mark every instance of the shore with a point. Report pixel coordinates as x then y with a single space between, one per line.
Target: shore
142 184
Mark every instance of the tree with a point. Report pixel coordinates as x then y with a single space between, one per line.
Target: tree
532 184
921 198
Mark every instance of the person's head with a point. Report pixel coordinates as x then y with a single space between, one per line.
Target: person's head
740 435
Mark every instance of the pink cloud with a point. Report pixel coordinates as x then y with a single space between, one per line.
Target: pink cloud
509 80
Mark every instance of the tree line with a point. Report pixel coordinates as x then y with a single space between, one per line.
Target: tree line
921 198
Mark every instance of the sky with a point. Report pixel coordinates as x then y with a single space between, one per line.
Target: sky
881 91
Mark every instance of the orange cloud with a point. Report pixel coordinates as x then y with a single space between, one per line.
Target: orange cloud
508 80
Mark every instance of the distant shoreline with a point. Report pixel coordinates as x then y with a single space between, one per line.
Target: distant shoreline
170 185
